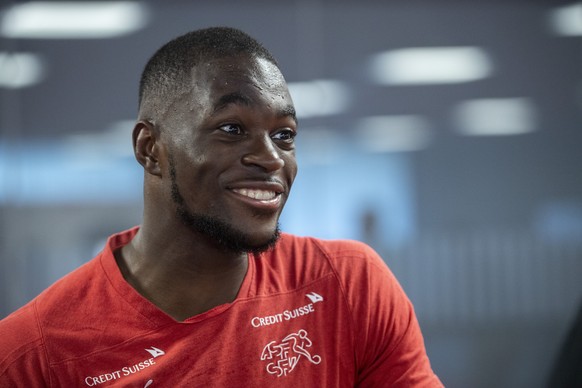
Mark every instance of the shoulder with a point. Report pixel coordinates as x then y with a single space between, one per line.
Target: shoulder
365 282
67 292
52 301
23 330
340 255
389 349
19 333
26 334
332 249
22 351
307 259
82 292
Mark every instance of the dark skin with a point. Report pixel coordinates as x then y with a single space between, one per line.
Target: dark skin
230 143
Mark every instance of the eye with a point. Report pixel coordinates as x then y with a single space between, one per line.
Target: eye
285 135
231 129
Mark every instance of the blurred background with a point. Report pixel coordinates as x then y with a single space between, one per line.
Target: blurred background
446 134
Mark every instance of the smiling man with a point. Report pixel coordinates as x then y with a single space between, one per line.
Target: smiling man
207 291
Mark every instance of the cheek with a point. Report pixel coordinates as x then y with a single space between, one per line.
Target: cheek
192 171
198 161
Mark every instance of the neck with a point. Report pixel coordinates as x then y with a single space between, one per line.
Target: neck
184 274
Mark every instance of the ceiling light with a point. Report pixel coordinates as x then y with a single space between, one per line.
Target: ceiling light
114 140
495 116
319 97
393 133
19 70
567 20
431 65
56 20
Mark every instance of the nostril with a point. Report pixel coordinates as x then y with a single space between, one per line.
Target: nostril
265 155
267 161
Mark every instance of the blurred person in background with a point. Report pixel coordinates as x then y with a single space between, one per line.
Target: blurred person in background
207 290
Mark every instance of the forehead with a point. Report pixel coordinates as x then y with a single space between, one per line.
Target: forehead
241 79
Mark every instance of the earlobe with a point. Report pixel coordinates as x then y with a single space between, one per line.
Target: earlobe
146 146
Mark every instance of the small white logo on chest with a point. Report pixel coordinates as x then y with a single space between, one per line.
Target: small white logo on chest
314 298
288 315
155 352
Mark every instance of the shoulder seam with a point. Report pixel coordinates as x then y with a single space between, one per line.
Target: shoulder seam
42 340
344 296
21 355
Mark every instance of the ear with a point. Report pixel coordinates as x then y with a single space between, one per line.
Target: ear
147 146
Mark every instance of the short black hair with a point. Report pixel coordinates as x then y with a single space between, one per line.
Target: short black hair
168 71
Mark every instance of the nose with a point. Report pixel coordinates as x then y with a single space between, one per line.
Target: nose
264 154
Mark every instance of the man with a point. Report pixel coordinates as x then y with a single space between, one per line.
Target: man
207 291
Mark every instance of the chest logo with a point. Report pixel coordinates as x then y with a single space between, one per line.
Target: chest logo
283 356
314 297
155 352
93 381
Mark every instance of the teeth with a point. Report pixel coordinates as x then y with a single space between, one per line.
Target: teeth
261 195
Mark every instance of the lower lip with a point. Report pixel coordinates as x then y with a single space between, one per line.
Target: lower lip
271 204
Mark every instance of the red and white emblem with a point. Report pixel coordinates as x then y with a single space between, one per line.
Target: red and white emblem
285 355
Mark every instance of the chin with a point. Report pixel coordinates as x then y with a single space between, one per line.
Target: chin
237 239
265 244
227 236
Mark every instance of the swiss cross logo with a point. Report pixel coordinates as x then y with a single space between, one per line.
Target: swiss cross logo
285 355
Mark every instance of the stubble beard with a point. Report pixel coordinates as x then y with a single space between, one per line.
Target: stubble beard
223 234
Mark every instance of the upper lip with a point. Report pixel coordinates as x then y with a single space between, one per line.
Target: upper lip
266 185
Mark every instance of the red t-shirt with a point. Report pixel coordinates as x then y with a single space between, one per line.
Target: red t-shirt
309 313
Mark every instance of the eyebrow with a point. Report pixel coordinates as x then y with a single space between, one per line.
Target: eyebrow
289 111
232 98
240 99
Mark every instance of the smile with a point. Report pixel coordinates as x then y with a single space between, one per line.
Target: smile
261 195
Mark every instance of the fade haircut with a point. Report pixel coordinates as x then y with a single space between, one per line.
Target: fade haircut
168 72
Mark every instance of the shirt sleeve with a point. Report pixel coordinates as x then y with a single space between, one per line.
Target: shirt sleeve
390 349
22 356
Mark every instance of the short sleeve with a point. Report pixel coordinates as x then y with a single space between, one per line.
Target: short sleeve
390 349
22 357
